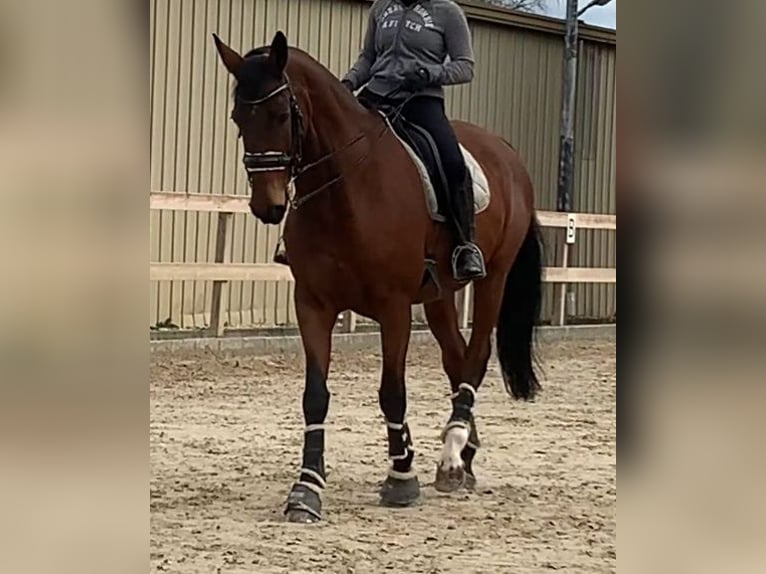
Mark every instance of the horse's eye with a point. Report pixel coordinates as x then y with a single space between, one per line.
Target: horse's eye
283 117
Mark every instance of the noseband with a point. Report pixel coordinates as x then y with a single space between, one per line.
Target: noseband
258 162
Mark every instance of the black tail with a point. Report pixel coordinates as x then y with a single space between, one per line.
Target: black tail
518 317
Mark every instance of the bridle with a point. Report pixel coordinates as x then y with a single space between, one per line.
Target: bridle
259 162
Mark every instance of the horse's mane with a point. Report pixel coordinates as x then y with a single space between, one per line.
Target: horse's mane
297 56
309 67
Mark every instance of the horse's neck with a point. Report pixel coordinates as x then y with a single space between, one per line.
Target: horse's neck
334 119
333 216
333 126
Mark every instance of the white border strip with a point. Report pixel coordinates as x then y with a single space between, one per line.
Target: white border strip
310 486
400 456
469 388
402 475
455 425
315 475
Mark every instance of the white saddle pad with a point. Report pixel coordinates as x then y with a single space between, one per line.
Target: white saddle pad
480 184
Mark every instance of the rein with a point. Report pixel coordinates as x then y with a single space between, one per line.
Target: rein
297 202
256 162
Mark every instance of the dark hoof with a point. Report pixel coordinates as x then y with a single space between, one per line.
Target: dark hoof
400 493
303 506
450 480
298 516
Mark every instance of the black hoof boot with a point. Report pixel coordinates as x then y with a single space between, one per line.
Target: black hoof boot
303 505
450 479
468 263
400 493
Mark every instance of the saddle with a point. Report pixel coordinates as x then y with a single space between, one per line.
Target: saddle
422 145
425 154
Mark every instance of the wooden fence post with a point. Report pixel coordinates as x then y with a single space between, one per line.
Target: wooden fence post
220 294
467 318
464 306
349 322
569 239
562 313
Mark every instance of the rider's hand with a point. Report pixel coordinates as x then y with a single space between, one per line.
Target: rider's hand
416 79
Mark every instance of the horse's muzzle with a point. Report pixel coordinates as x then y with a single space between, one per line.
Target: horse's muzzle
273 214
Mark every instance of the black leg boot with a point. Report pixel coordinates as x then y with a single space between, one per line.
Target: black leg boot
467 258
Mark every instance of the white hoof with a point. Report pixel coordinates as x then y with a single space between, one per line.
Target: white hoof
455 440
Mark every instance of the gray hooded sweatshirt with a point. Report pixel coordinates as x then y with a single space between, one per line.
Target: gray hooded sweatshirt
429 34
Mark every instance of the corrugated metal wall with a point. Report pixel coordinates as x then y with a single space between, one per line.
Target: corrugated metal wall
596 175
516 93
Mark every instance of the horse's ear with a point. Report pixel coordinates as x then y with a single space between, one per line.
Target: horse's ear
230 58
278 53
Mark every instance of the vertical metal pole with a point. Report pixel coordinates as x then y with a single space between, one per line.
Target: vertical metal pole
566 143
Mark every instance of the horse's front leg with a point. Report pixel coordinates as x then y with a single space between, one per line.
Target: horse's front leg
401 487
316 322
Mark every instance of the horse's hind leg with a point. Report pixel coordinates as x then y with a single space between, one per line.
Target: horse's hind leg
443 321
401 487
460 437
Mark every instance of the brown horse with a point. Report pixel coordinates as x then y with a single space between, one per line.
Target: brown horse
358 234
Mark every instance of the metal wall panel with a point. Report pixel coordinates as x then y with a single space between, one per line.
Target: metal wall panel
596 176
516 93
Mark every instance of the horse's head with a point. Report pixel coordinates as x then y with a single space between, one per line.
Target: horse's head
269 122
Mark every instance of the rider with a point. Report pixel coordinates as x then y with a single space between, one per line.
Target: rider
414 48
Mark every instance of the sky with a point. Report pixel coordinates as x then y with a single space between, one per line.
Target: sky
605 16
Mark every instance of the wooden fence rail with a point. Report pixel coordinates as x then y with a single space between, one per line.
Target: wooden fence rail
222 270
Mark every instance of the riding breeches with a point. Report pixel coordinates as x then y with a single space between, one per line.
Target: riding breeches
428 113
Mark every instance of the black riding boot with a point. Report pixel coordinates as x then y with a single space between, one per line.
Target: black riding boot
467 258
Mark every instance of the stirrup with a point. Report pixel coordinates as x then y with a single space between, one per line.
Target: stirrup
458 252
